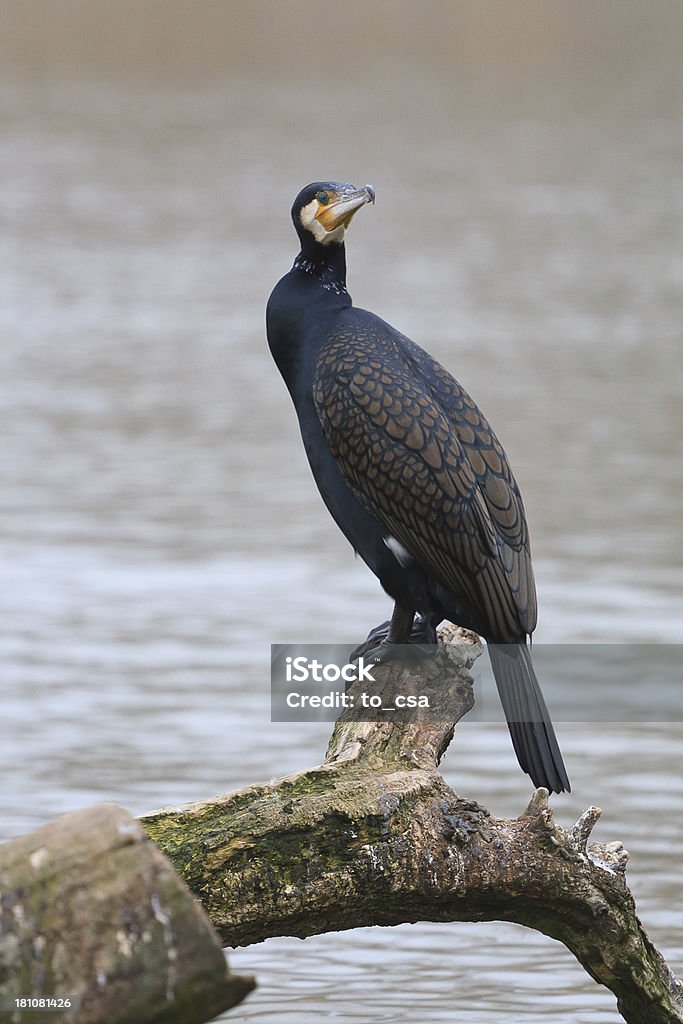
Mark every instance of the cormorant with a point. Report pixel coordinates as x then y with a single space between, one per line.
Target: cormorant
410 470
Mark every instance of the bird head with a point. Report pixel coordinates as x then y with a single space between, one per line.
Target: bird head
323 210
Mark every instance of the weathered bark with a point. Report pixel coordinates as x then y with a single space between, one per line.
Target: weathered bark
375 836
92 912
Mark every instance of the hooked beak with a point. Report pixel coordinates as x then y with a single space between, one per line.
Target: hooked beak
339 212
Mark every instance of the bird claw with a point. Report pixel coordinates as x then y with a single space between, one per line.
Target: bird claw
375 639
379 648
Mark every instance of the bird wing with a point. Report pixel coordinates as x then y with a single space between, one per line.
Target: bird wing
493 473
414 462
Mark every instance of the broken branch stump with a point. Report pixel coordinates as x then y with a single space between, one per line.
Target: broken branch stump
92 912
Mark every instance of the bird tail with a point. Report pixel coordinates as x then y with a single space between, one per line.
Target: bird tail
533 736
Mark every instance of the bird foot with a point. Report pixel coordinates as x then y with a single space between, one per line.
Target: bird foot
379 646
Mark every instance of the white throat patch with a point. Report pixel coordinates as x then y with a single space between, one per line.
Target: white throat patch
309 221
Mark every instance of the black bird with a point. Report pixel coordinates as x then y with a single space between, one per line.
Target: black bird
410 470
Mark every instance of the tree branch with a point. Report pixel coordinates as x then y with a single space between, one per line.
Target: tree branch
93 919
375 836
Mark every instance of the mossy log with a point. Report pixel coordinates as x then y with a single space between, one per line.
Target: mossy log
92 913
375 836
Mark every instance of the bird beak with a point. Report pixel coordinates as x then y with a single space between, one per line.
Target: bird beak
339 212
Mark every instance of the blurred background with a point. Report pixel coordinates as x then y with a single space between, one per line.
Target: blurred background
159 527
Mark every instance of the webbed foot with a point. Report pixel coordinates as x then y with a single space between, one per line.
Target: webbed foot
382 643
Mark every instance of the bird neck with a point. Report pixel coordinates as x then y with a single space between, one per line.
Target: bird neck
326 263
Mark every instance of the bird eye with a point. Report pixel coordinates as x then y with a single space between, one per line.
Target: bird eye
323 198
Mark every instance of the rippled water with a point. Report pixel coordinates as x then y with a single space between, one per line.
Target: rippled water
158 524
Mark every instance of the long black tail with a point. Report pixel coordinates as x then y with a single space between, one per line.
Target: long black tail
533 736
